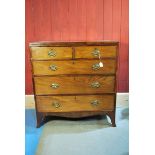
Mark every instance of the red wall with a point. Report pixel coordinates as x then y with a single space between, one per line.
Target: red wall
70 20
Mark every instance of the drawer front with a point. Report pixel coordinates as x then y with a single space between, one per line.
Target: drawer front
75 103
74 85
73 67
51 52
94 51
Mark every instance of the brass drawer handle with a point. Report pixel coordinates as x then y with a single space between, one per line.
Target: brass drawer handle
53 67
52 53
54 85
56 104
96 52
96 66
95 85
95 103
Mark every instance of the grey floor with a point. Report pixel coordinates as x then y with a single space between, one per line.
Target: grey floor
91 136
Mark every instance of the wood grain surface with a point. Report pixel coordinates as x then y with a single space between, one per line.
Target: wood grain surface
75 103
87 51
74 67
43 52
74 85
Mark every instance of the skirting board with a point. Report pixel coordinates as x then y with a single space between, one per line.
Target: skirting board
122 100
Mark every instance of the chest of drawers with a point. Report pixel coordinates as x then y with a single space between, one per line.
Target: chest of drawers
70 81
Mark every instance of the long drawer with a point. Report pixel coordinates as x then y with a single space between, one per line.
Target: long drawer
74 67
74 85
51 53
95 51
75 103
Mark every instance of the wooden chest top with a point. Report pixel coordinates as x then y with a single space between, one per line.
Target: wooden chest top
73 43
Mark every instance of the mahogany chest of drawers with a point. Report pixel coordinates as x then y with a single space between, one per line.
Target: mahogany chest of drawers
74 79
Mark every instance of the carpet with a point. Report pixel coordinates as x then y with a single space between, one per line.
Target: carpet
32 134
89 136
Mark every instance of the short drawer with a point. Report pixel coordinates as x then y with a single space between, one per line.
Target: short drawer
51 53
75 103
74 67
95 51
74 85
